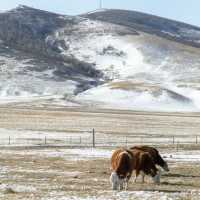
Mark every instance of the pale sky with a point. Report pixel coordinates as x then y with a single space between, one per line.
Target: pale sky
182 10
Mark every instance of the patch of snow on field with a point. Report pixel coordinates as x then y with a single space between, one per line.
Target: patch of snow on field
183 156
69 154
77 154
90 153
6 188
137 195
44 171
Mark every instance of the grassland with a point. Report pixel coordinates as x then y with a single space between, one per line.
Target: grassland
42 173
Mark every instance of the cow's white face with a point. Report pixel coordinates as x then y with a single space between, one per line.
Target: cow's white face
165 167
116 182
114 179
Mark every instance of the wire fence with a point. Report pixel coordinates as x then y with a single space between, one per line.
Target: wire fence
95 139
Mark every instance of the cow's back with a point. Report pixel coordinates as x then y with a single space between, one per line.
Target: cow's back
115 159
143 162
122 167
122 161
151 150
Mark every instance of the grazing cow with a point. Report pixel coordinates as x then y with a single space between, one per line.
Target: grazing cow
122 167
143 164
154 154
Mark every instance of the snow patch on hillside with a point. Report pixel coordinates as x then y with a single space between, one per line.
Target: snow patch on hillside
110 52
121 61
18 83
106 97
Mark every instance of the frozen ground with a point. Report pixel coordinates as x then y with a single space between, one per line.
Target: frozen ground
183 156
49 173
173 155
67 154
83 174
135 196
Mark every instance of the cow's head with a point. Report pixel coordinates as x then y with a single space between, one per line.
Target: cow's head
165 167
116 181
162 163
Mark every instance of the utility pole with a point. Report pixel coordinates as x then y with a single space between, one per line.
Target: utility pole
100 4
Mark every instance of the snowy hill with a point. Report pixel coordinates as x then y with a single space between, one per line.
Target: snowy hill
30 59
104 59
173 30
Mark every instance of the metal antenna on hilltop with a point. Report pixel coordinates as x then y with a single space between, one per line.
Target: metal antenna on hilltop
100 4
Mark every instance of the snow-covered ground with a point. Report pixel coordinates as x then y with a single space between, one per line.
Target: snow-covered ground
137 195
102 195
68 169
99 153
182 156
68 154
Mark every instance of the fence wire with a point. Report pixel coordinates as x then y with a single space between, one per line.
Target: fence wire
99 140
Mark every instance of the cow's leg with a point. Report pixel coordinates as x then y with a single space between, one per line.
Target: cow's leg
121 185
126 184
156 178
127 180
143 175
137 172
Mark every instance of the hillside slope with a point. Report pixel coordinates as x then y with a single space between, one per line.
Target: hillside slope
106 58
166 28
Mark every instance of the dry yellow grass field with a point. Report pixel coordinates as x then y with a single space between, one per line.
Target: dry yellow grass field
42 173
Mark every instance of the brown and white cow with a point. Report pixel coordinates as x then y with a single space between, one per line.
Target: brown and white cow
143 164
158 160
122 168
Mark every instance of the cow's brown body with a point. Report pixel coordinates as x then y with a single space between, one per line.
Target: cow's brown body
122 167
143 164
142 159
157 159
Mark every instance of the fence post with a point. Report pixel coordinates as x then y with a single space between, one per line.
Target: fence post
126 142
80 141
9 140
45 140
196 139
93 138
173 140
